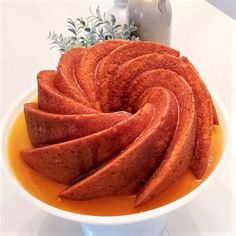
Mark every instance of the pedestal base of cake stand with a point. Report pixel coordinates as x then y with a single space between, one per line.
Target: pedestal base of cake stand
153 227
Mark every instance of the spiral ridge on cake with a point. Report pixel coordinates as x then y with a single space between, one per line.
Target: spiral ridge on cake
120 118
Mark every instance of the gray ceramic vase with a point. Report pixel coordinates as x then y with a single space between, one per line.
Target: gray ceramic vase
153 19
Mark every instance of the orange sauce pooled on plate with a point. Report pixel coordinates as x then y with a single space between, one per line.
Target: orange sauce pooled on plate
47 190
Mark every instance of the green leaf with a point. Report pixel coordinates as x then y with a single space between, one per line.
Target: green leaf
101 31
126 34
91 12
98 13
118 26
98 24
73 38
81 21
113 19
72 31
133 28
71 22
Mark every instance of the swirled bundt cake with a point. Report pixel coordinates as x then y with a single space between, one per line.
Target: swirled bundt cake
120 118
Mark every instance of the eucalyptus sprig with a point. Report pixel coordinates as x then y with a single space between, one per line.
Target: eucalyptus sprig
97 27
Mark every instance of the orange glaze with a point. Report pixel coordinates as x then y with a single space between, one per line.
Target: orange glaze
47 190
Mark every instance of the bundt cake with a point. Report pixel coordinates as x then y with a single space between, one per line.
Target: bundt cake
120 118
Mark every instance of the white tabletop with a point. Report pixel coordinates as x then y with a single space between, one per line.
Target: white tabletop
200 31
